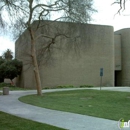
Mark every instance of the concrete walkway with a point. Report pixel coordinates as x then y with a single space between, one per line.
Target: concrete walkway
71 121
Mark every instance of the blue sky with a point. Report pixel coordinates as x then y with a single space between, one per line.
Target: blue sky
104 16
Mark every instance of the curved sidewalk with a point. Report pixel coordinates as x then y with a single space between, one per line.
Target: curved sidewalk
11 104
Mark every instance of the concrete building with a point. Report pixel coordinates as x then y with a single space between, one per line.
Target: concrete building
79 52
122 42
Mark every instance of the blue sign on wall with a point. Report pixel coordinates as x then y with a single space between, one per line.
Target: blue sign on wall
101 71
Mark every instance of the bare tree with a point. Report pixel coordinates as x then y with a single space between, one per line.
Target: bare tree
24 13
122 5
79 11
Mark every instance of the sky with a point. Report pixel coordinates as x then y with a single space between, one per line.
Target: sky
106 15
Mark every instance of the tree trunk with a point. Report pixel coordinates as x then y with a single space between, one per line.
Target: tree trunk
35 64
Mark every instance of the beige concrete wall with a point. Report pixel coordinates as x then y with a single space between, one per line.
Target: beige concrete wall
118 61
117 43
75 60
125 45
9 81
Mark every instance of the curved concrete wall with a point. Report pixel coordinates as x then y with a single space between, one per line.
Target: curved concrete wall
75 60
125 58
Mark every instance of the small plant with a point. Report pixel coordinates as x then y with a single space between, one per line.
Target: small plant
65 86
86 86
4 85
46 88
69 86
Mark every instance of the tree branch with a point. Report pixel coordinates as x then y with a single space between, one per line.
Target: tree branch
122 5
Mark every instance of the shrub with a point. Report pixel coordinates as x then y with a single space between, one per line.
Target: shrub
86 86
65 86
3 84
6 85
46 88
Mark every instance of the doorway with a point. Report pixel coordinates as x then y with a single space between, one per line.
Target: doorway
117 78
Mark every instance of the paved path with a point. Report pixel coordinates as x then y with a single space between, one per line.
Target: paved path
71 121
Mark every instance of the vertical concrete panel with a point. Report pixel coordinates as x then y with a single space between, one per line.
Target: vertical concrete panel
22 53
125 45
118 65
117 42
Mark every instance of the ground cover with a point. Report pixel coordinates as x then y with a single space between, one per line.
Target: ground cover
11 87
10 122
105 104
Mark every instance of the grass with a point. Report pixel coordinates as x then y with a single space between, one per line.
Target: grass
10 122
104 104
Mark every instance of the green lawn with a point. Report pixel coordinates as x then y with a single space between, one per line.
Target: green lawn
9 122
104 104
